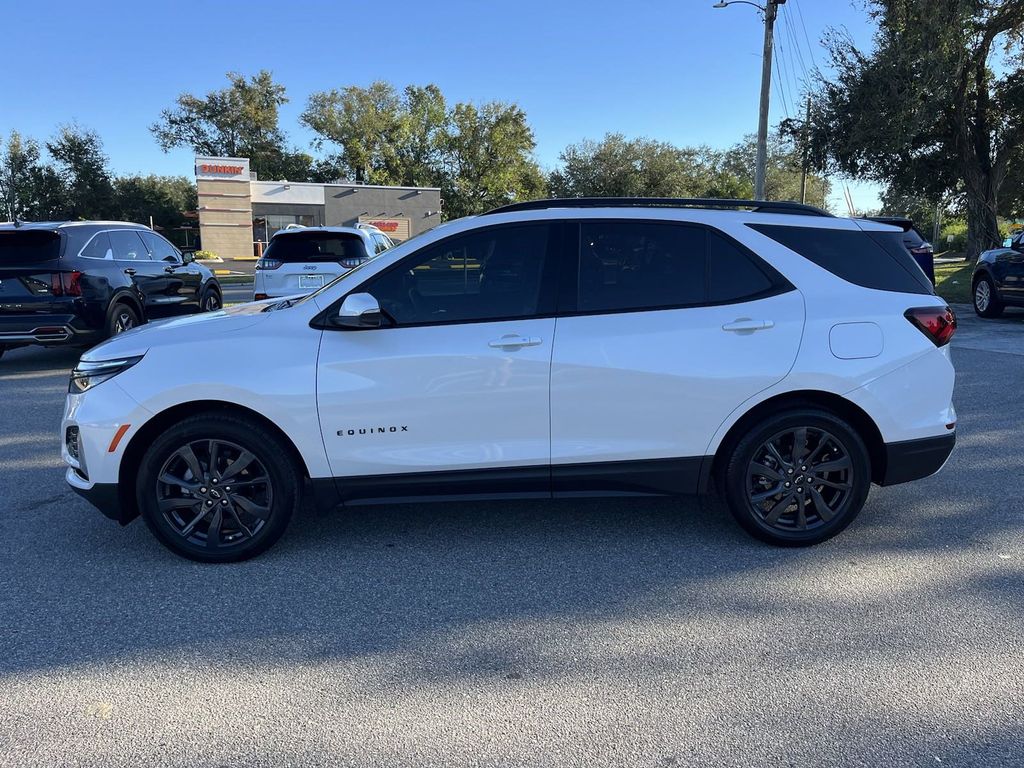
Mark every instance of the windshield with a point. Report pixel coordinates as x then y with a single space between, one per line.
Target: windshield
315 247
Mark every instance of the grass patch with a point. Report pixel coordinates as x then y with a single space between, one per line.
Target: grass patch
953 282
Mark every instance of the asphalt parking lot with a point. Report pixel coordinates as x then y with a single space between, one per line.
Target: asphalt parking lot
571 633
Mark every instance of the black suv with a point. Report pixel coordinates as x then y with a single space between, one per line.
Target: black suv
76 283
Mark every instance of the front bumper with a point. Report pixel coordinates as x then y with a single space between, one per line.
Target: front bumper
914 459
104 496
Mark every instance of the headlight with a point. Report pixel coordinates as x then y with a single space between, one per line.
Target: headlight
87 374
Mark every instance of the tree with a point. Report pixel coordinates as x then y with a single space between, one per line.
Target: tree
165 198
238 121
81 165
488 159
938 104
480 157
383 136
20 172
617 167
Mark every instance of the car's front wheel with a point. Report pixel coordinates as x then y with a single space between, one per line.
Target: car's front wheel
797 478
218 488
986 300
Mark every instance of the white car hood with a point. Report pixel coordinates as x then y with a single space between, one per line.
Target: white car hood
177 330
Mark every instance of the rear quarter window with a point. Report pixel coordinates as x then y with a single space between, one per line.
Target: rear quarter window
877 260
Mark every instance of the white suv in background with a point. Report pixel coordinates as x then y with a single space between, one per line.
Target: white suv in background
302 259
547 349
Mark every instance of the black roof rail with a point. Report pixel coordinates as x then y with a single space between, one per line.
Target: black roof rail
756 206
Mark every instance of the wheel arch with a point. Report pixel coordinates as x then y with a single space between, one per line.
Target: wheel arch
125 296
148 432
828 401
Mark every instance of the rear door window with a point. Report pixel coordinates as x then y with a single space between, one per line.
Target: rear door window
876 260
128 246
634 265
315 247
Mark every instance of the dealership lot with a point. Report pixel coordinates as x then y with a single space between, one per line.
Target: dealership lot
588 632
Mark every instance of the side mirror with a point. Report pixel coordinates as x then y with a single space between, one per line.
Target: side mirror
359 310
187 257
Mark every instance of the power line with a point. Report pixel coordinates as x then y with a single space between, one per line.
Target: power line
807 38
794 44
782 58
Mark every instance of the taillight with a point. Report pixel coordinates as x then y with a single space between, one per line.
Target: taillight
922 250
265 263
937 323
66 283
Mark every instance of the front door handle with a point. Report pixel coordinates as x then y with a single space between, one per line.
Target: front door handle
514 341
746 325
130 272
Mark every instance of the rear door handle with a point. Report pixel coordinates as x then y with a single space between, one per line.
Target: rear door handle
129 271
514 340
746 325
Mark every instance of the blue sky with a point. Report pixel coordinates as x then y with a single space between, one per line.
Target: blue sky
674 70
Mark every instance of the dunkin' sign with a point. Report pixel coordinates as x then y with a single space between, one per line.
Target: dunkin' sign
234 168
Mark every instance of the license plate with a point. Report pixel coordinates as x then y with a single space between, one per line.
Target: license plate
311 281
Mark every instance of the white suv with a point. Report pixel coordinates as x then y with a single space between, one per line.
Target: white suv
302 259
546 349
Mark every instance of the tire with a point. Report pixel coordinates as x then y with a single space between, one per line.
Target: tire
986 300
210 301
201 518
121 317
836 495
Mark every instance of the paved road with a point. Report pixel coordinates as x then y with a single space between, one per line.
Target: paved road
236 293
575 633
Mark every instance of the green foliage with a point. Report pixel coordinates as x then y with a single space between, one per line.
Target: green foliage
238 121
957 228
480 157
77 184
165 198
206 255
620 167
936 108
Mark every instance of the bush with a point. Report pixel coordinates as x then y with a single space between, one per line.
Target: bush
956 228
205 255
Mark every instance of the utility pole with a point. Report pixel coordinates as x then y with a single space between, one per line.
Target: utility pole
803 163
770 10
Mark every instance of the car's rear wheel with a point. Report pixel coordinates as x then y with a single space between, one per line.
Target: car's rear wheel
218 488
210 301
986 300
797 478
122 317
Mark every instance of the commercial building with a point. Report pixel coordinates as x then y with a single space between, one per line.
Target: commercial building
238 214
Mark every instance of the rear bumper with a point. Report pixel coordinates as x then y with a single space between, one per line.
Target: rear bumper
914 459
46 329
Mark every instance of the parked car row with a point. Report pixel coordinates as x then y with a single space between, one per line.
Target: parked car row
77 283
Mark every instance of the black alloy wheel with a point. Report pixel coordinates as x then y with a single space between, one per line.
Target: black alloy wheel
210 301
122 318
214 493
798 478
218 488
